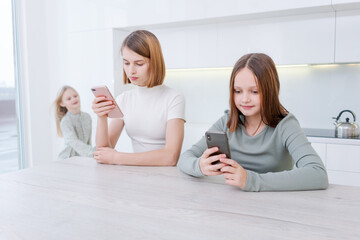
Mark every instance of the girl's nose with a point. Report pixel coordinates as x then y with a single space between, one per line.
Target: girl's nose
132 69
245 98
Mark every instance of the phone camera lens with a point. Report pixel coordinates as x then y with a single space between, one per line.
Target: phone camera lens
208 137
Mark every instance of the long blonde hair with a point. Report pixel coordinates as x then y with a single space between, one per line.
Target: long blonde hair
59 110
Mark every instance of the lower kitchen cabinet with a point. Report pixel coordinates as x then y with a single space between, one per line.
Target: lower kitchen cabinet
342 162
320 148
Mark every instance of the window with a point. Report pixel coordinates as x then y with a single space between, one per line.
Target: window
10 159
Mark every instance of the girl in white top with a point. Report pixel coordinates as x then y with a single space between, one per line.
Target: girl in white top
154 114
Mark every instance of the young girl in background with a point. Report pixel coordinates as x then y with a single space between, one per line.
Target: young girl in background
154 114
72 124
269 150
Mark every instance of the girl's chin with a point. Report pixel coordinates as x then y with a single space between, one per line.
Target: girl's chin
137 84
75 109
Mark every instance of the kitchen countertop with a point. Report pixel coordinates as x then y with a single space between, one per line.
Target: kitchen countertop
328 136
78 198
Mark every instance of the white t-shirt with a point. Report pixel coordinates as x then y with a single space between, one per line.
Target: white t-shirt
146 112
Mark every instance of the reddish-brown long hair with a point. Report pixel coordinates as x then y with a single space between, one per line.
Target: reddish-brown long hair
267 80
147 45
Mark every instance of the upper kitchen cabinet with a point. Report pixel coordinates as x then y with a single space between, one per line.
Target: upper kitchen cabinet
188 47
299 39
340 5
347 36
175 11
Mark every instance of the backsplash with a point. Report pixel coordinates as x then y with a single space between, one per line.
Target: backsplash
314 93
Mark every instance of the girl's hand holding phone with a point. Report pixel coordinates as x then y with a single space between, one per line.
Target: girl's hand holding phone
101 106
234 173
205 163
104 103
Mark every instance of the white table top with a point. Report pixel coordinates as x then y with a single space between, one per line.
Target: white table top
80 199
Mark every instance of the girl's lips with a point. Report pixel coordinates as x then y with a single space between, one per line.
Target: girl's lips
247 107
133 78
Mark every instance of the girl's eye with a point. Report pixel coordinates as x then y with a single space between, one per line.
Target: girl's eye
236 91
126 63
255 92
140 64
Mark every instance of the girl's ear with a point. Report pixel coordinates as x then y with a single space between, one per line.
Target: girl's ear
62 105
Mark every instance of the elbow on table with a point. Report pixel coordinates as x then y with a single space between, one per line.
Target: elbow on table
171 159
323 180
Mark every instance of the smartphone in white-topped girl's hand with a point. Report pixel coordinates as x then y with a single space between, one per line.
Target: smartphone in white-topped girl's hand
103 91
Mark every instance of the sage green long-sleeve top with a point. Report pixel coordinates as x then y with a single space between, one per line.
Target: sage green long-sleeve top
76 129
276 159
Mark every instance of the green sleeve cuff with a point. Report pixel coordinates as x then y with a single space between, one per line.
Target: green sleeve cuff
198 172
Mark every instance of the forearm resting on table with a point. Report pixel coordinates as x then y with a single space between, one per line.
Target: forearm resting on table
161 157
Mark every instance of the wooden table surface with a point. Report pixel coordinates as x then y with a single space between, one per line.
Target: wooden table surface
78 198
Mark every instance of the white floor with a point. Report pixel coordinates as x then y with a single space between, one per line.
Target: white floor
8 145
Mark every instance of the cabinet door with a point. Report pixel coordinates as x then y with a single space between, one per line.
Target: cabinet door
343 164
343 157
340 5
189 47
344 178
320 148
347 36
300 39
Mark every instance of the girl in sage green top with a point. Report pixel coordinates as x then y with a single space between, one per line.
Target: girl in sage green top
269 150
73 124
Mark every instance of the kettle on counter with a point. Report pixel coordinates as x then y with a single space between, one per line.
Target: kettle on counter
346 129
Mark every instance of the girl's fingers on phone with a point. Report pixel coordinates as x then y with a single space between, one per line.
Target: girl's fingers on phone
229 162
98 99
102 111
107 107
209 151
216 167
215 158
228 169
105 103
103 107
214 173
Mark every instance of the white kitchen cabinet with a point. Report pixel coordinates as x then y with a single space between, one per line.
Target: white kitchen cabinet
347 36
320 148
340 5
341 158
192 46
300 39
305 32
344 158
344 178
335 2
175 11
